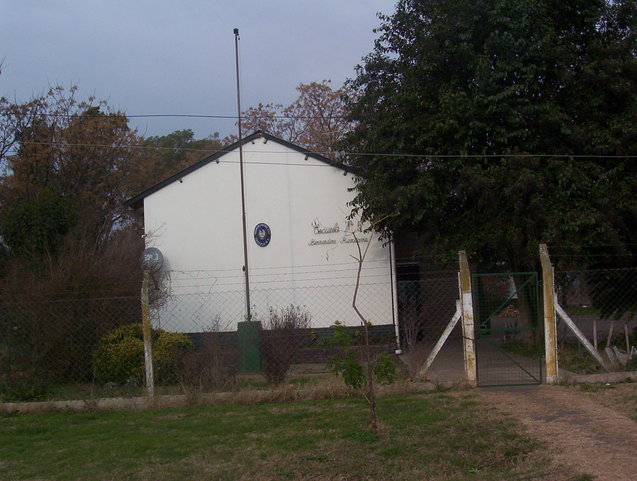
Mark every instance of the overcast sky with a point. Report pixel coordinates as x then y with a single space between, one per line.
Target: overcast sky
170 57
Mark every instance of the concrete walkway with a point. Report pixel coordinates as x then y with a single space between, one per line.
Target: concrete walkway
495 367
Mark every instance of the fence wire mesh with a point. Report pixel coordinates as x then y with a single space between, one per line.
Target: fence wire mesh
508 328
53 342
602 303
92 347
425 308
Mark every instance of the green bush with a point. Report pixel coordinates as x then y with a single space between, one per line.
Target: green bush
346 364
385 369
22 385
346 361
119 357
168 354
22 378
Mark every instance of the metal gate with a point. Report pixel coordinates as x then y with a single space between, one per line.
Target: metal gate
507 313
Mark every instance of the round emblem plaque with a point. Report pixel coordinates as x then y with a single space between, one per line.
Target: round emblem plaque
262 234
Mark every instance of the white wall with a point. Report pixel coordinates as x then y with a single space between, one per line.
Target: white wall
196 223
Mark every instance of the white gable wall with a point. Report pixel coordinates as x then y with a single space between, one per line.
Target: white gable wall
196 223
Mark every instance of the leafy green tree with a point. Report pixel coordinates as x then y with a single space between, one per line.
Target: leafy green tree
514 120
165 155
34 226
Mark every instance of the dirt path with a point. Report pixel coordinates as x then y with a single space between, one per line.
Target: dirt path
581 433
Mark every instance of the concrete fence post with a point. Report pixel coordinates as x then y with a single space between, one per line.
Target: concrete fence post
550 323
148 350
468 331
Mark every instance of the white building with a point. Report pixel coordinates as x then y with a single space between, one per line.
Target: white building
301 247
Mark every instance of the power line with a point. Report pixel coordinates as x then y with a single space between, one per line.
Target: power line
361 154
593 255
192 116
571 246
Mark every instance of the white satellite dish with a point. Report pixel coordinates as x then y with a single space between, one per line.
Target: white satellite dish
152 259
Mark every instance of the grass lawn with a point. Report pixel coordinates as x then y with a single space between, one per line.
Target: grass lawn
423 437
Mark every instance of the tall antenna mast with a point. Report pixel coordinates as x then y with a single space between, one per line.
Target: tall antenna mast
243 197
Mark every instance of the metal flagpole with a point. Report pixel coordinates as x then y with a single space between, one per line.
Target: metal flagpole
243 198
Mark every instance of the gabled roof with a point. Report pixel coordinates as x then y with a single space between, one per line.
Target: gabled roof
136 200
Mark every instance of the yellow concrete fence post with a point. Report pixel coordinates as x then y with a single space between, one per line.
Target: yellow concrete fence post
550 329
468 332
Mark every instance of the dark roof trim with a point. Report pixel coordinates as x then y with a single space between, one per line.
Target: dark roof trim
136 200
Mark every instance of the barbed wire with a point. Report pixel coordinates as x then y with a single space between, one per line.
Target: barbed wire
226 288
295 270
594 255
177 295
609 269
595 246
78 299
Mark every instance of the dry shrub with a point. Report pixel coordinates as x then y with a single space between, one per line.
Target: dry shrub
52 315
283 334
213 366
329 388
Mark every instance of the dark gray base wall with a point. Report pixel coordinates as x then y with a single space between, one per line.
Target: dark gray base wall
311 345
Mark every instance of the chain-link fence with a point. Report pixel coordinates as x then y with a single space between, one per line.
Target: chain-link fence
425 308
53 343
508 328
602 303
93 347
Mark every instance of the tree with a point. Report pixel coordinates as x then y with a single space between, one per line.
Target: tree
490 105
165 155
315 120
513 121
371 393
67 172
65 167
65 234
